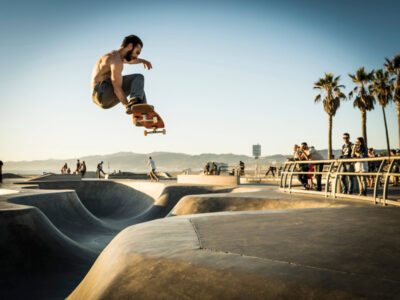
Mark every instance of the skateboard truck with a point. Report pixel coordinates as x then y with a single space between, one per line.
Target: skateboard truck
146 119
154 131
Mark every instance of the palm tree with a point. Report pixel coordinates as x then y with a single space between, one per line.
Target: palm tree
363 101
393 67
329 85
382 89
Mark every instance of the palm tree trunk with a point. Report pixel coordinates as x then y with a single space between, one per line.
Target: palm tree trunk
387 135
364 126
398 118
329 136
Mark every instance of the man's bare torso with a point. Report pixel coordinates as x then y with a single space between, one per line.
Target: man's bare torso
102 68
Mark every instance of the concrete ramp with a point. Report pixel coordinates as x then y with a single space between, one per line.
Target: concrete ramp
124 203
67 213
35 255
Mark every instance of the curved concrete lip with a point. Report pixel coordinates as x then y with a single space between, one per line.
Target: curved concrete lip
4 192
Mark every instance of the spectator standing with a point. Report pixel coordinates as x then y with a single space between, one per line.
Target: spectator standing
359 150
100 169
396 166
152 173
372 167
83 169
347 182
1 171
207 169
297 156
214 169
309 153
241 166
78 166
64 169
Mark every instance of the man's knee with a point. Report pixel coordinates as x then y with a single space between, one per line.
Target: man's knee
139 77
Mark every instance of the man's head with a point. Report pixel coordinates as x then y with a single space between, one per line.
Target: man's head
149 157
346 137
134 46
304 146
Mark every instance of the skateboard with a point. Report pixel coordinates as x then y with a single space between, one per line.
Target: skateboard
144 115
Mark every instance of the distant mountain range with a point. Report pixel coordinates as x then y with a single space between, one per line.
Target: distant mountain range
135 161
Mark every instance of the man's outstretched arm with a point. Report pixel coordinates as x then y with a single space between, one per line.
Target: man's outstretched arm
116 79
147 65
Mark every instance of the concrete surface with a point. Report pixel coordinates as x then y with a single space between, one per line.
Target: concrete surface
51 233
330 253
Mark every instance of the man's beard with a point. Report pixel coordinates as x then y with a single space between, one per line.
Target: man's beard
128 56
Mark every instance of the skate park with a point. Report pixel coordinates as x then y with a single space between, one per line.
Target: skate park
121 239
126 148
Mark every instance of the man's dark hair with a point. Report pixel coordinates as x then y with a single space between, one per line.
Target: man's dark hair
132 39
304 144
346 134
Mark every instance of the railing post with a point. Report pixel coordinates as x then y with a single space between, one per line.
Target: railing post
285 170
328 177
291 177
281 179
387 179
334 187
377 178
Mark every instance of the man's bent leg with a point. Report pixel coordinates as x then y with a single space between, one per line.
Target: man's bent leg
103 95
133 87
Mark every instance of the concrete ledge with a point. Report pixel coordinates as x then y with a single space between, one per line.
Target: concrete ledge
208 179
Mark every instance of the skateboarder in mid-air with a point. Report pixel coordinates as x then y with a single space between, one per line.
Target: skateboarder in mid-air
109 87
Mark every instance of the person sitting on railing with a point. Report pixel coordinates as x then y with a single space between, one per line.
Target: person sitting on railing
347 182
309 153
359 150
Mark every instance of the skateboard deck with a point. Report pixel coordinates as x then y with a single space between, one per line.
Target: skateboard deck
144 115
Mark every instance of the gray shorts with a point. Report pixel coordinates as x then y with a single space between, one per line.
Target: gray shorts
132 85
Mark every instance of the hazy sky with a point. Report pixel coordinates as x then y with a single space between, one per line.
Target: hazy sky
226 74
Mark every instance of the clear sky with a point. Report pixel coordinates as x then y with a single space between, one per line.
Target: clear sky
226 74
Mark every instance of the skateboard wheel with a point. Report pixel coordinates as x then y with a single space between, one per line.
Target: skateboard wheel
164 131
145 133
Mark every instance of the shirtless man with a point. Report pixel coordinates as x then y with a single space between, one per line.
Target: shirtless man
109 87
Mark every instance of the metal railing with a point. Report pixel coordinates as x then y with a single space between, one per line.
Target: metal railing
384 190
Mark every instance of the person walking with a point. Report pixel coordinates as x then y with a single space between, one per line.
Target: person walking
152 173
100 170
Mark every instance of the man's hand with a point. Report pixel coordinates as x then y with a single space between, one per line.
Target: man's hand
147 65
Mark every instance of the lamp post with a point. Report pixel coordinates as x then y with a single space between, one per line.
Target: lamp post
257 154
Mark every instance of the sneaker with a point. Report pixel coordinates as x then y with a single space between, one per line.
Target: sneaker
130 104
